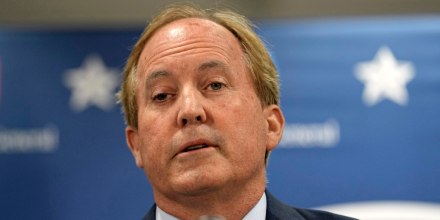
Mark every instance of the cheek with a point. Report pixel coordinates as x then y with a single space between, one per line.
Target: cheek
153 133
250 113
247 126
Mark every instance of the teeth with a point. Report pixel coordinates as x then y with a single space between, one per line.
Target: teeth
195 147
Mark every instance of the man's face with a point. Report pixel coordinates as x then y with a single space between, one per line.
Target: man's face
201 125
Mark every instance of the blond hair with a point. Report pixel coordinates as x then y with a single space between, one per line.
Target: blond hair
257 58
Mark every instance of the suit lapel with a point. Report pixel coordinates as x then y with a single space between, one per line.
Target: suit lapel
276 210
151 215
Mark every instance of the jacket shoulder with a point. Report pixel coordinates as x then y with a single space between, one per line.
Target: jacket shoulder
276 210
321 215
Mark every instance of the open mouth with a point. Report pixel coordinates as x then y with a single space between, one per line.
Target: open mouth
195 147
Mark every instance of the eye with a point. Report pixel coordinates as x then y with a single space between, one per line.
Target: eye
216 85
161 97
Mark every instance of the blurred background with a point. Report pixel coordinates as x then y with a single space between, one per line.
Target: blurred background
123 14
360 90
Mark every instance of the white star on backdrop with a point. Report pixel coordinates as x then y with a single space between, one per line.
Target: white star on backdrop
92 84
385 78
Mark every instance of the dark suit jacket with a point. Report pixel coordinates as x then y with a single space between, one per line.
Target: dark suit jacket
276 210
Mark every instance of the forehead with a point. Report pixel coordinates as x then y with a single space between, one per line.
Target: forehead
190 27
188 34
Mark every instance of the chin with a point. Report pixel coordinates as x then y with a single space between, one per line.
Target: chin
200 184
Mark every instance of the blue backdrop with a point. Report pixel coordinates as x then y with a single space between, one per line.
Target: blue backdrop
361 99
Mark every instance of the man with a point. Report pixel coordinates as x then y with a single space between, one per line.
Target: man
201 102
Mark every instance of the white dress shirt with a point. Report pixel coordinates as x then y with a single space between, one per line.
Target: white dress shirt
258 212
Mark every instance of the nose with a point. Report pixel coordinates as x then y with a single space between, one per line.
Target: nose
191 109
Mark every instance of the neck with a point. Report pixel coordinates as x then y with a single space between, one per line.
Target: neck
231 203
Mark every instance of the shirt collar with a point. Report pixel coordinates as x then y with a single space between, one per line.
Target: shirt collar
258 212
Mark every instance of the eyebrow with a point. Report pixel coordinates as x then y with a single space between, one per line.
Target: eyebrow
211 64
203 67
155 75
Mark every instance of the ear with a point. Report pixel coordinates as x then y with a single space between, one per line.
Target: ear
275 122
132 137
